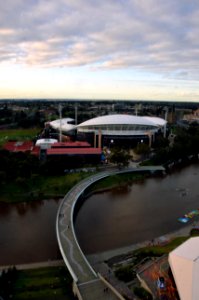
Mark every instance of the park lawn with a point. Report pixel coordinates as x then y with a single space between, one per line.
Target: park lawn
116 181
47 187
18 134
158 250
39 187
43 283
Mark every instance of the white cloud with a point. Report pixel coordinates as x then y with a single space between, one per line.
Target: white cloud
161 36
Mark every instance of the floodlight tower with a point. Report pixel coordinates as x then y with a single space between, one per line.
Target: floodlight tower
60 122
166 117
75 113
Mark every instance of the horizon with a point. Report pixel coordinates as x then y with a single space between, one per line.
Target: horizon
123 50
97 100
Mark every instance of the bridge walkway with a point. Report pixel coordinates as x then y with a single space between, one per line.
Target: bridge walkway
81 271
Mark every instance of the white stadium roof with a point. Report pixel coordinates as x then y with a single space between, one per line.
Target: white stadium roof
184 263
117 124
158 121
122 125
65 126
123 119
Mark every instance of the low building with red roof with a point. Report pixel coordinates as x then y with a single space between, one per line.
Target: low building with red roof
19 146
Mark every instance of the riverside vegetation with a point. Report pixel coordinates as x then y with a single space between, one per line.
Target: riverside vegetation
24 178
42 283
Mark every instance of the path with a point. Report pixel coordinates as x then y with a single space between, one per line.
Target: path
79 267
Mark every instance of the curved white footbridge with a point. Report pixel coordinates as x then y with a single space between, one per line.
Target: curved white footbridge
87 284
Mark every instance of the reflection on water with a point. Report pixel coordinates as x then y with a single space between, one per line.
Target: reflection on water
27 232
141 211
108 220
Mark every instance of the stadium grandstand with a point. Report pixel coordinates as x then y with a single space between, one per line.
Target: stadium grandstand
119 129
90 137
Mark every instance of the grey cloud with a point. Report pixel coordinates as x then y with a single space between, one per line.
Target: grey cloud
160 36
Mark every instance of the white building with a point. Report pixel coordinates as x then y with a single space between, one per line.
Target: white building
184 263
121 127
45 143
65 124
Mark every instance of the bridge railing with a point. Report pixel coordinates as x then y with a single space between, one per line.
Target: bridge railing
83 185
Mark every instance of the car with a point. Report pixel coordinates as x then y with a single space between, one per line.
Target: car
161 283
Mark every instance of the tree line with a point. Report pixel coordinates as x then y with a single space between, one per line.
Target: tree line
15 166
185 145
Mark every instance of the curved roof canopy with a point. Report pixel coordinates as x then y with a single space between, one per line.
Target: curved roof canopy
65 125
123 119
123 125
158 121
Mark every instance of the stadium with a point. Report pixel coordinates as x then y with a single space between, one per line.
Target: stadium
72 145
121 130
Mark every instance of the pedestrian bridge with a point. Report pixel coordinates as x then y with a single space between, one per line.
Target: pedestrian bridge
87 285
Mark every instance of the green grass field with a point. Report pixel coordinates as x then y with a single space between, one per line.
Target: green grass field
116 181
39 187
52 283
17 134
159 250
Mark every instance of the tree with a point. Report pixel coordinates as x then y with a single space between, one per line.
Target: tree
160 142
142 293
125 273
142 148
120 157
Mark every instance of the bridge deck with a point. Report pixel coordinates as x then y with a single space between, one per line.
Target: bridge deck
76 262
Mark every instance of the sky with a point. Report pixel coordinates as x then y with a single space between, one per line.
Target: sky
100 49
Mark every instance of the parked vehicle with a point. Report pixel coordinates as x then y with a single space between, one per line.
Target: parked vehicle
161 283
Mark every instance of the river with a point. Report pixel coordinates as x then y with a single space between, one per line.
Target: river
137 212
108 220
27 232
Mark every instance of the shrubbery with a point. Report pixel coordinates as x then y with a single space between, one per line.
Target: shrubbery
7 281
125 274
142 293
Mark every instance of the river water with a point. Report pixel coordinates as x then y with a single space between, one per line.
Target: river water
120 217
138 212
27 232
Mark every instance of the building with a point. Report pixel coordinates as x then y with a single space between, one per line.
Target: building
45 143
72 153
120 129
184 263
73 157
66 125
192 118
22 146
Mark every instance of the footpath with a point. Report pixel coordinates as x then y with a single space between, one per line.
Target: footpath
37 265
98 258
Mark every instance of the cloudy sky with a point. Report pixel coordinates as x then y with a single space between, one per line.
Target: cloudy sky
100 49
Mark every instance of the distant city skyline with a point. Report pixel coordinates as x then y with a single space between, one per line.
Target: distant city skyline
115 49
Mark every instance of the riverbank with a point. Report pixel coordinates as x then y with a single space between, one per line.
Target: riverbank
39 187
15 218
37 265
115 181
98 258
106 255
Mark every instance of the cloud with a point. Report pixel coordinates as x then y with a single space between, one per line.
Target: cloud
156 36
